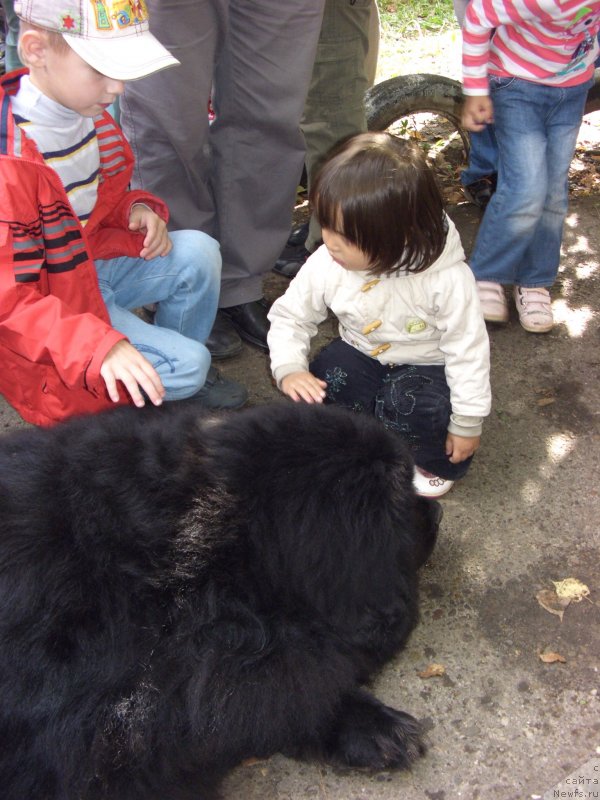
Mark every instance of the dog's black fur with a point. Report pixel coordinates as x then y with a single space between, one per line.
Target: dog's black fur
179 592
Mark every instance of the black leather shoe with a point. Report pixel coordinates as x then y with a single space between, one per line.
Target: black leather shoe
480 192
219 393
224 341
298 235
250 321
289 262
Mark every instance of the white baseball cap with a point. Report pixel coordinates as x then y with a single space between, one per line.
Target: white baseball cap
112 36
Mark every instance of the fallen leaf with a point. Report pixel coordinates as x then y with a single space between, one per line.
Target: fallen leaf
546 401
433 671
549 600
571 589
552 658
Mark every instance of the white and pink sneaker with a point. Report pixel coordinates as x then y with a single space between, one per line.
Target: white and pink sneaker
535 309
427 484
492 299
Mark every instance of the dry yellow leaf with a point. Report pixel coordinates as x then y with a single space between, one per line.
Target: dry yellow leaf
433 671
552 658
571 589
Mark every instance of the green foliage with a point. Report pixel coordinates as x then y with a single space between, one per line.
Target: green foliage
411 18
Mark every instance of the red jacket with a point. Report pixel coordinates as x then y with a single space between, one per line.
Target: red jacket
54 327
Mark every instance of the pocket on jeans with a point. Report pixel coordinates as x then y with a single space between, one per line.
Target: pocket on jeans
498 83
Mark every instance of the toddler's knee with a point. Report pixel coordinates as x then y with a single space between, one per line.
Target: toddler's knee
528 197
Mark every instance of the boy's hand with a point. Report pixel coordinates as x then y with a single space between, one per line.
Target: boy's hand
304 386
458 448
124 363
156 240
478 112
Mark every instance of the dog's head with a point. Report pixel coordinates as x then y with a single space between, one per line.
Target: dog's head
327 497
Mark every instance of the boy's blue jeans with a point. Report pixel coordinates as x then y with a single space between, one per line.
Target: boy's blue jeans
536 129
186 285
412 400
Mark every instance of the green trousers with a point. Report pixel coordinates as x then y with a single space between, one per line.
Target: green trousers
11 57
343 70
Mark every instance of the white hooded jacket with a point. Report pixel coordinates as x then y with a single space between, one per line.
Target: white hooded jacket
430 317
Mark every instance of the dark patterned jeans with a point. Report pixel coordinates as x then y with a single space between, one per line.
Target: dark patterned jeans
413 400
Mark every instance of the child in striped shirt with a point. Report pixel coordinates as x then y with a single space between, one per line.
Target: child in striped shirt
530 78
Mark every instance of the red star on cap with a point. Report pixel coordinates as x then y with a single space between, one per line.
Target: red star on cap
68 22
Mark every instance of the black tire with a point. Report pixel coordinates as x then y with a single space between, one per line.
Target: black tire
391 100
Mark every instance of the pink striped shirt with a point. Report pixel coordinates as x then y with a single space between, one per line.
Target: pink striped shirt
546 41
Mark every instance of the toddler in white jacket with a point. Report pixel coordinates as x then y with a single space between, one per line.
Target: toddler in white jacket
413 347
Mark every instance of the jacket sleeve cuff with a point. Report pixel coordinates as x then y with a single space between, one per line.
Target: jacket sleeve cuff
461 425
137 197
279 373
476 91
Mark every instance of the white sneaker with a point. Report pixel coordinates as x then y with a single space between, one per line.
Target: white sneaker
535 309
492 299
427 484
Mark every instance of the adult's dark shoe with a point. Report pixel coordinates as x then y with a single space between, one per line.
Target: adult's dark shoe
289 262
480 192
219 393
224 341
298 235
250 321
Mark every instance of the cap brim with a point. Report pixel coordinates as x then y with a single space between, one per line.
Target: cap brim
125 58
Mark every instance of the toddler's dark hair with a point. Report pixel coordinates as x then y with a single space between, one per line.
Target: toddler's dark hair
379 192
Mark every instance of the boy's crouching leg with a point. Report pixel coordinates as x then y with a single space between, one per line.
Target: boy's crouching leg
192 275
192 282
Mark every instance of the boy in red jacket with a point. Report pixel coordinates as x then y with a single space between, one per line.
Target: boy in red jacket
78 250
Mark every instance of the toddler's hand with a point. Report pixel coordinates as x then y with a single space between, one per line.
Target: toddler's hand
304 386
124 363
156 240
459 448
478 112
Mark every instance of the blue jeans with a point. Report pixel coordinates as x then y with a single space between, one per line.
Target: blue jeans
521 231
412 400
483 156
185 284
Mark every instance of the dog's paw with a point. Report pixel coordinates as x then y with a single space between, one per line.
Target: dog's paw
372 735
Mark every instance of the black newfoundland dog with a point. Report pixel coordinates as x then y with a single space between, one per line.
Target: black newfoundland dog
179 592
